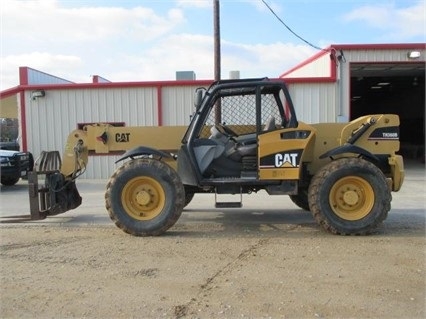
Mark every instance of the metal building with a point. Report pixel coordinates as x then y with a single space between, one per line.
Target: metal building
337 84
344 82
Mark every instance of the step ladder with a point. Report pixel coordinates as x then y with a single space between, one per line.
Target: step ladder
225 202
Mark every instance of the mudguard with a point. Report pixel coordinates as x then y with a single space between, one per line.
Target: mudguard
349 148
143 150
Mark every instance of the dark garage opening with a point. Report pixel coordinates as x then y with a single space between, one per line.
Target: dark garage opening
397 88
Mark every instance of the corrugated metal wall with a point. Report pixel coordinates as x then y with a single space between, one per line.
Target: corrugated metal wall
379 55
314 102
319 67
178 104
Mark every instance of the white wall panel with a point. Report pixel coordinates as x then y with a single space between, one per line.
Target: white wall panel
314 102
178 104
379 55
319 67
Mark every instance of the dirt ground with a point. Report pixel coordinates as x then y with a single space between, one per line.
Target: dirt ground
207 271
249 263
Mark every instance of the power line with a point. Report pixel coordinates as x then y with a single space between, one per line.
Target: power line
289 29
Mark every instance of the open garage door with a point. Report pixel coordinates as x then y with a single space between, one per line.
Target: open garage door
397 88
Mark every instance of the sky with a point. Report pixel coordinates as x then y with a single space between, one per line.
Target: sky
126 41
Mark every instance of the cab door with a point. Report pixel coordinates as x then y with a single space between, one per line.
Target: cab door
280 152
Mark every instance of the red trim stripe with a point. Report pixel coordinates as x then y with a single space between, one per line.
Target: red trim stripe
159 105
23 121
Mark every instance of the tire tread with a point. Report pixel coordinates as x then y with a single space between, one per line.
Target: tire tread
318 181
151 164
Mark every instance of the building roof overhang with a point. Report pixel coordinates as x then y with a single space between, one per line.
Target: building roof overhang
334 52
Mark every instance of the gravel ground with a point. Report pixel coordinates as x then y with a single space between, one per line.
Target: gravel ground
266 260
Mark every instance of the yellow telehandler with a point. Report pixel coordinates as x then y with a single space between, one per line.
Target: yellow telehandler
244 136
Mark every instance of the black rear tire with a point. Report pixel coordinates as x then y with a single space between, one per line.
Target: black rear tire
145 197
301 200
349 196
188 197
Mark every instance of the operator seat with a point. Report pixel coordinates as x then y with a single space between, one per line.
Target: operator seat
248 147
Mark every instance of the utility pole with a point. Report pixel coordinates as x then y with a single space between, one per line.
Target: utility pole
216 26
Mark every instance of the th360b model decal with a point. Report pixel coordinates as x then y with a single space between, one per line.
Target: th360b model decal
385 133
289 158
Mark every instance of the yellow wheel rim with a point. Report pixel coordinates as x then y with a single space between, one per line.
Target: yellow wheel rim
143 198
351 198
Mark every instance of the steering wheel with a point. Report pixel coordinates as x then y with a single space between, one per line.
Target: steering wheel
226 130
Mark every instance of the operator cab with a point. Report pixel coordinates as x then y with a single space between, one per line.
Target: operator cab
222 140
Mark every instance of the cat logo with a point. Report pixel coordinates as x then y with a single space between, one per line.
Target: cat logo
286 160
122 137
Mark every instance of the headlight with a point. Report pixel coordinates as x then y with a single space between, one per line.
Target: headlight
5 163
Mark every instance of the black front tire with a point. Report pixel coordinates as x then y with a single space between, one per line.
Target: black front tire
9 180
145 197
349 196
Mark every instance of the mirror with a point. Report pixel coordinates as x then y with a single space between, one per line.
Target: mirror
199 95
